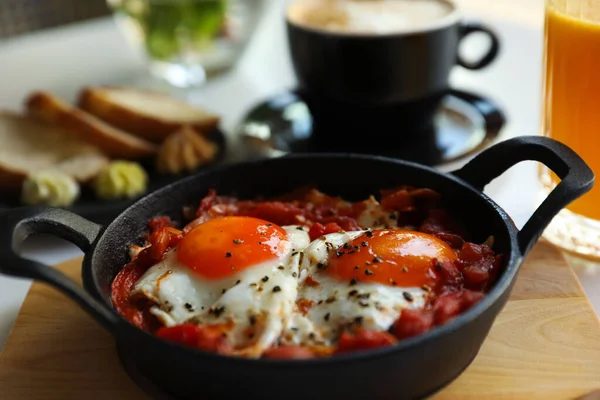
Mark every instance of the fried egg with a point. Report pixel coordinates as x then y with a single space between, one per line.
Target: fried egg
363 279
239 272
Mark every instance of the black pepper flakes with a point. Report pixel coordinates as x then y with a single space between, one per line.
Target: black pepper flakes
377 260
393 282
321 266
223 291
265 278
352 293
393 216
293 328
356 247
368 272
260 243
238 241
281 268
346 246
227 255
327 316
252 319
363 304
299 228
369 234
407 296
189 307
311 335
320 302
358 320
276 289
330 300
356 267
294 253
238 282
353 282
269 224
217 311
364 244
426 288
294 274
364 295
339 253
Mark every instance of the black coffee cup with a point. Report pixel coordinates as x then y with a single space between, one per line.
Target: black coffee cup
380 70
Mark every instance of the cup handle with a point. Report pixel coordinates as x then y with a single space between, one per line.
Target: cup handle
468 28
26 222
577 177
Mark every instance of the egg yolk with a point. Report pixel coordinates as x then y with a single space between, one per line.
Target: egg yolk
222 247
392 257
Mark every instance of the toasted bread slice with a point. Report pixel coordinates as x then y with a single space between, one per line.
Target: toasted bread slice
30 146
112 141
149 115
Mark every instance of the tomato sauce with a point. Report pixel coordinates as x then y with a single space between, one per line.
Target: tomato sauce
462 282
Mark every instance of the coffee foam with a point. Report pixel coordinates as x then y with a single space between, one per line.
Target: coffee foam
375 17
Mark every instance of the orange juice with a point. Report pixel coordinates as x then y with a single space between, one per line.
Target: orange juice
572 92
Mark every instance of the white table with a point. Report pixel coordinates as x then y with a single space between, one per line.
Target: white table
65 59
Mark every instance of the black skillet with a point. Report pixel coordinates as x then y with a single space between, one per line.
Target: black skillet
414 368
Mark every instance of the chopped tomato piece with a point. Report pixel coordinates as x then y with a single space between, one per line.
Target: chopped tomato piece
205 337
364 339
274 211
162 240
341 223
396 201
479 265
470 298
289 353
447 307
412 323
448 272
318 230
454 241
159 222
439 221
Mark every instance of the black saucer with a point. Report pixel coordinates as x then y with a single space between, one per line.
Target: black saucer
464 124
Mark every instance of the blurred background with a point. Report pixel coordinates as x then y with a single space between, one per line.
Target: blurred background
22 16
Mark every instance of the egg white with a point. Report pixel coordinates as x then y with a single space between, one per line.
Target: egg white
337 305
256 302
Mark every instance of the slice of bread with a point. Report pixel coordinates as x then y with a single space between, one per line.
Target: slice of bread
30 146
149 115
112 141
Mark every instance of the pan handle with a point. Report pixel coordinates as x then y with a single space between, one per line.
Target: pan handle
26 222
577 178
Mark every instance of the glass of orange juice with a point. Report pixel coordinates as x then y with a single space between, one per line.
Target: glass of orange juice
571 113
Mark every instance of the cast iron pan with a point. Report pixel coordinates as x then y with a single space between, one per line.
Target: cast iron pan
414 368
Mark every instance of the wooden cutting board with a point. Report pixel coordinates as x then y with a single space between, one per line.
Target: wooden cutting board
545 344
